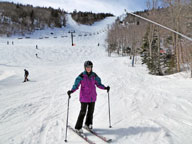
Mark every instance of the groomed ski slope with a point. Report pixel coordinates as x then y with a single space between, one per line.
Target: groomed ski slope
145 109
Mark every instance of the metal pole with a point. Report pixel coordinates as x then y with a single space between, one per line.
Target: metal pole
71 36
67 119
109 111
133 60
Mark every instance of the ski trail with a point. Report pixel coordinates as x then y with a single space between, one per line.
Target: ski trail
145 109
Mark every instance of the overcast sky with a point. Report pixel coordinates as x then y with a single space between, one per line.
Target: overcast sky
115 7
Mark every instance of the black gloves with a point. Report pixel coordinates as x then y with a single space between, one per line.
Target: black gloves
107 88
69 92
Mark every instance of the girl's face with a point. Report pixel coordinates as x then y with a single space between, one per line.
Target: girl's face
88 69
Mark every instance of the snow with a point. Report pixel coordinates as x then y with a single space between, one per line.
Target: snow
145 109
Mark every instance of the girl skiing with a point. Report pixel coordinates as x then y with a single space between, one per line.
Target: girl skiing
88 81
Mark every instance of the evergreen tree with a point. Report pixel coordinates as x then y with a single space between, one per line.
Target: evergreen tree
170 63
157 62
32 16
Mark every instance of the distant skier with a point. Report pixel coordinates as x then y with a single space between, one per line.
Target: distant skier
26 75
87 79
37 55
36 46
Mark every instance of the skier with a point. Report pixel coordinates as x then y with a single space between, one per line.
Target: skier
26 75
87 79
37 55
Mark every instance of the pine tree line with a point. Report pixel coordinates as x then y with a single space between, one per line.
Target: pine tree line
88 18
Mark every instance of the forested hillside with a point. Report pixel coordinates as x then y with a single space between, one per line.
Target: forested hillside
163 51
18 18
88 18
22 19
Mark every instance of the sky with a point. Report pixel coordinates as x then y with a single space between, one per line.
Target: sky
115 7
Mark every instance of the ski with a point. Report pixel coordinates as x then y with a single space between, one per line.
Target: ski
99 136
82 135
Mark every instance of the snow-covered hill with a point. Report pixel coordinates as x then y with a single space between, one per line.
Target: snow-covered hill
145 109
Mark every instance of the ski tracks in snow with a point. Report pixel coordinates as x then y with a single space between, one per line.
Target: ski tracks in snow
145 109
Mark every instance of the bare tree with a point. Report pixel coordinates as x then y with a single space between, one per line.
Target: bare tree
152 6
176 11
134 37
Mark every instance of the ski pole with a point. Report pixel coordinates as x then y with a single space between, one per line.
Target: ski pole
67 119
109 111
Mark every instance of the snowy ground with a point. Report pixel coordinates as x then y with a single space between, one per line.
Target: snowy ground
145 109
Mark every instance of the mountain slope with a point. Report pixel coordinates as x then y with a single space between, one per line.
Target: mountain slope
144 109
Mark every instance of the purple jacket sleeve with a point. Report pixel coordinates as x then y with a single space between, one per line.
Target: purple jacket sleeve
98 82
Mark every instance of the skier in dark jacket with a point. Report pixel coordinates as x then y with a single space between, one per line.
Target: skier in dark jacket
26 75
88 81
